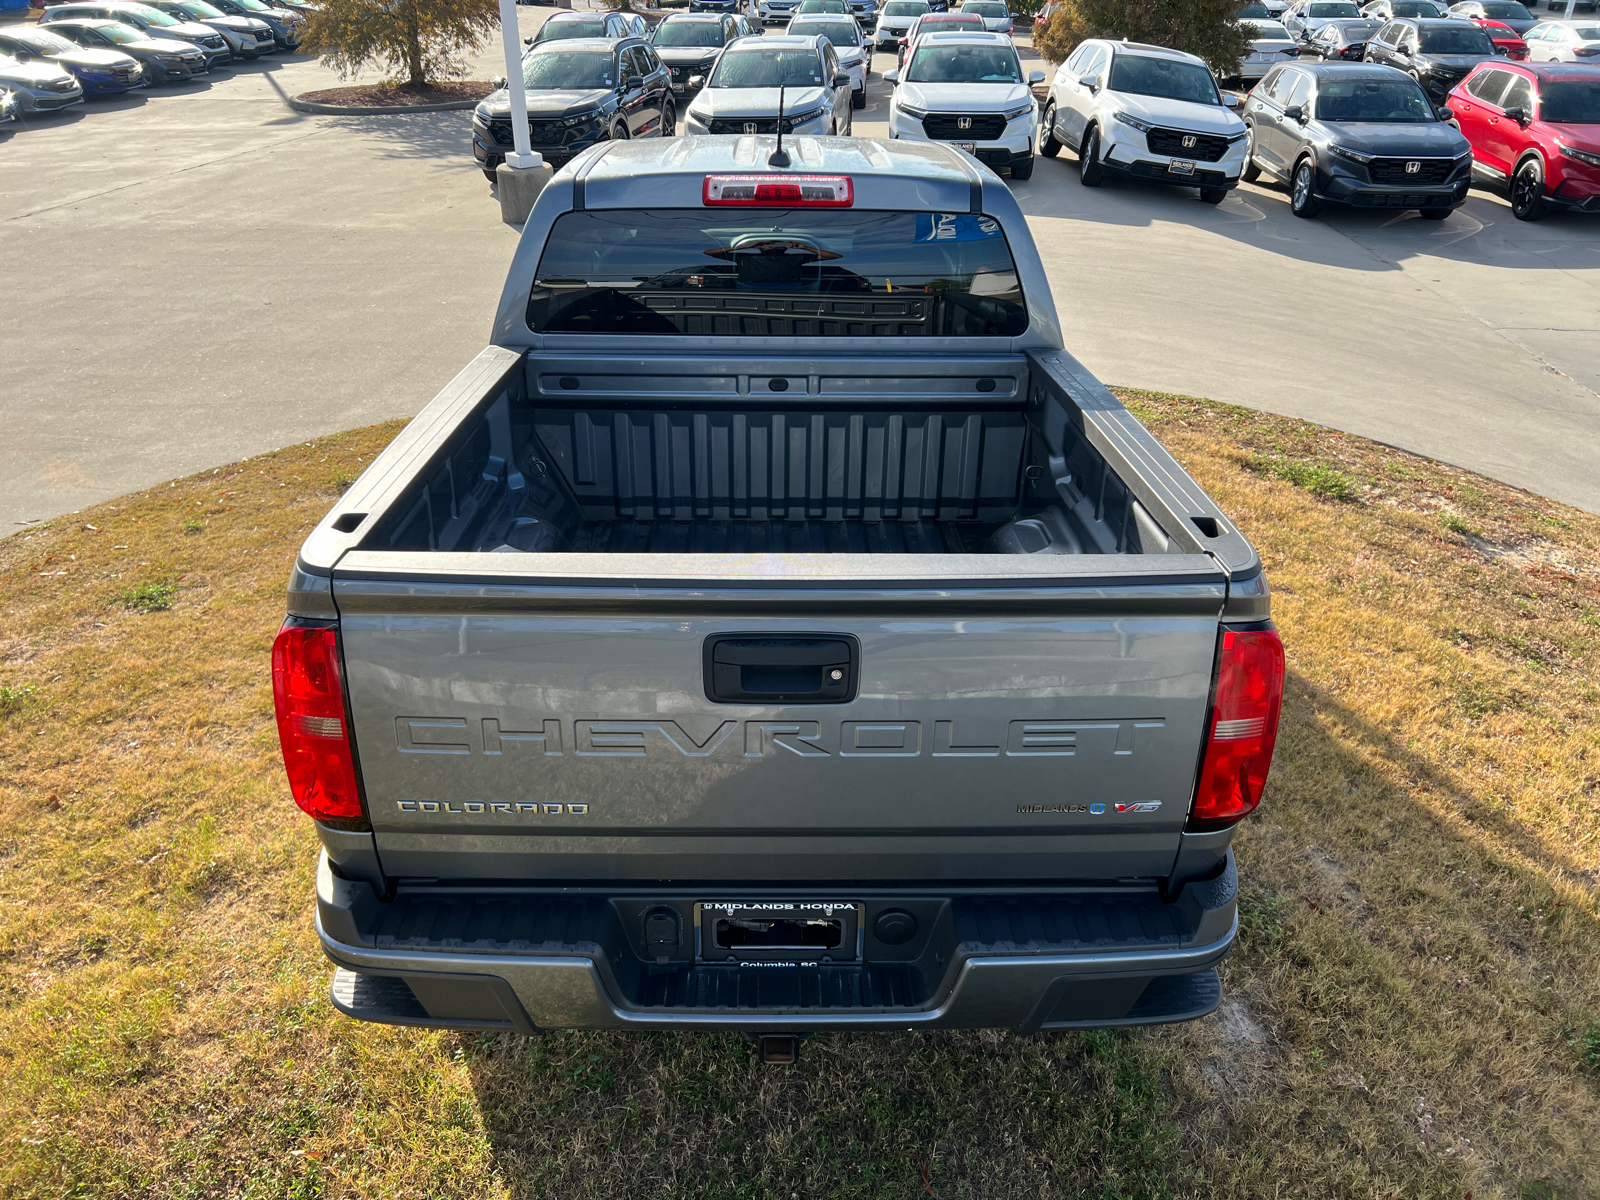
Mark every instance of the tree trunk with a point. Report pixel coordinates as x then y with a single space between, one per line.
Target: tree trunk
414 47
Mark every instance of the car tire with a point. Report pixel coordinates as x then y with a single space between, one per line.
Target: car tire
1023 169
858 100
1090 172
1249 172
619 132
490 175
1213 195
1303 200
1048 145
1527 191
669 120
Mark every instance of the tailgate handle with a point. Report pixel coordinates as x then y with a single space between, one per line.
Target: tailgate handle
820 668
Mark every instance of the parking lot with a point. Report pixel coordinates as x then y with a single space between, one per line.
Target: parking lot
199 273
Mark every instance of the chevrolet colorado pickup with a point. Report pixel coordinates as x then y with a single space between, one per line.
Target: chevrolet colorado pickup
774 629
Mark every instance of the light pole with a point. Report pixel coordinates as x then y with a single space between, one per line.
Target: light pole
522 176
522 155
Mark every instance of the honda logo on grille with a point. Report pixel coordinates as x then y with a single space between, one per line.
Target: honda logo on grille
749 126
1413 167
963 122
1188 141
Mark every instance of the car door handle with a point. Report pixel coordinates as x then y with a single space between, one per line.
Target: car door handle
798 668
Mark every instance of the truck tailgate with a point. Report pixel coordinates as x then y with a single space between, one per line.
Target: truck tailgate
566 734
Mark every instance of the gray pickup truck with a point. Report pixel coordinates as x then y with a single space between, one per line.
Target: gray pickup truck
773 629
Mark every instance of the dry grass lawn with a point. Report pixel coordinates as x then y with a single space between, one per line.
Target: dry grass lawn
1414 1010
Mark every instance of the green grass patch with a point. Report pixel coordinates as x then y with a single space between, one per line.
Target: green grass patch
1321 480
149 597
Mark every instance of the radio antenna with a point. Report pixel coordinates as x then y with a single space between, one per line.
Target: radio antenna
778 158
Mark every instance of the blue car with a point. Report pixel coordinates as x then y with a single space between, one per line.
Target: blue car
99 72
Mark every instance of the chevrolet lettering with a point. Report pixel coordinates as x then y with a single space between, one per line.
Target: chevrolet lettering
775 629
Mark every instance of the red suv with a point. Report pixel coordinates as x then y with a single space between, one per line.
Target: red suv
1536 127
1506 39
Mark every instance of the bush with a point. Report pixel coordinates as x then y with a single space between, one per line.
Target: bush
421 39
1201 27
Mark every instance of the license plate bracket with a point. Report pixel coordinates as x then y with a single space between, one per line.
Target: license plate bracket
1181 168
969 147
771 931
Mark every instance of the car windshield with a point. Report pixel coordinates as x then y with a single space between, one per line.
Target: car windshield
1268 31
964 64
41 41
122 35
199 8
1372 100
688 33
1576 103
153 16
1254 10
555 31
905 8
569 69
1468 39
1412 8
824 6
799 67
1144 76
1330 9
777 272
840 33
1505 10
984 8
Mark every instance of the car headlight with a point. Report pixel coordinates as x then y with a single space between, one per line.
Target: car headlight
581 119
1346 152
481 114
800 118
907 110
172 60
1021 110
1141 126
1582 156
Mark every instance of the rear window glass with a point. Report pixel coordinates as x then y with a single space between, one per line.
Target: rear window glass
553 31
777 272
1572 103
1469 39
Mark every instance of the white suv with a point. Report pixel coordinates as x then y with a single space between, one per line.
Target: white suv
1147 112
968 88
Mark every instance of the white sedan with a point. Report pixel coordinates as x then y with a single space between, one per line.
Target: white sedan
968 89
1555 42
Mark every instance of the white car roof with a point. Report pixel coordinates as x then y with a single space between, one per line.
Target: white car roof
1146 50
965 37
784 41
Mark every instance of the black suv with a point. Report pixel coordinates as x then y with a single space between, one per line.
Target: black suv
1438 53
690 42
580 91
1355 134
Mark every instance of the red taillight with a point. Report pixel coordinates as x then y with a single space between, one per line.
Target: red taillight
308 692
1244 728
780 191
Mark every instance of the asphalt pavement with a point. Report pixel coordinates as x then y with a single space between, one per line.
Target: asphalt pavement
197 274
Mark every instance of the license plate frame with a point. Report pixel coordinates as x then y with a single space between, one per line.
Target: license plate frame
840 919
1180 168
968 147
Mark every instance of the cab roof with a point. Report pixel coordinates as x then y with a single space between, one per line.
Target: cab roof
1551 71
671 172
786 41
965 37
1147 50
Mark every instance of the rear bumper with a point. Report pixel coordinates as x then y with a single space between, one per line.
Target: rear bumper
1151 963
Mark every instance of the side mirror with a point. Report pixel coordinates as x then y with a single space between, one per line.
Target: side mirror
1231 100
527 41
1520 115
1035 77
1294 113
1092 82
1445 114
892 76
498 82
1403 51
842 79
697 81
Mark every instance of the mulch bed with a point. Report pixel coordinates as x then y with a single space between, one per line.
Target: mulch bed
381 95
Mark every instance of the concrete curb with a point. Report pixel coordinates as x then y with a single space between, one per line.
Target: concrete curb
383 110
